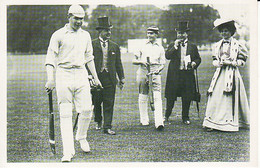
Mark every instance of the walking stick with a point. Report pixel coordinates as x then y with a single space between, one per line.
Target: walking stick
51 124
197 92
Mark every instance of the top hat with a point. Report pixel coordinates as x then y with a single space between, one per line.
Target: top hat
182 26
76 10
221 21
103 23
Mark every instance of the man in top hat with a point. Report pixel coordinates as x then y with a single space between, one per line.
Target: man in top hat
70 49
155 52
184 58
108 64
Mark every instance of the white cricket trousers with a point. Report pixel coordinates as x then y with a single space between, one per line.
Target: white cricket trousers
141 79
143 108
73 88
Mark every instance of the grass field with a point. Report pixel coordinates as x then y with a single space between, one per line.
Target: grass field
27 123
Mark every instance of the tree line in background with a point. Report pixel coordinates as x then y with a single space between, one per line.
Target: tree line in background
29 27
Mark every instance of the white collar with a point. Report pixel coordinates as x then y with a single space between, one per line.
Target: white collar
103 41
69 29
154 43
227 41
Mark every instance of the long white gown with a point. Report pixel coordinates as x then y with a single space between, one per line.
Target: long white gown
227 110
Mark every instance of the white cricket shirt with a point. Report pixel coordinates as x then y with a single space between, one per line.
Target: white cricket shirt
69 49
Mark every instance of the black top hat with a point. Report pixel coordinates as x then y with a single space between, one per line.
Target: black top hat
182 26
103 23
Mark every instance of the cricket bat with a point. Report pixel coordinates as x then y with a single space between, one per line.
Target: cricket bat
51 124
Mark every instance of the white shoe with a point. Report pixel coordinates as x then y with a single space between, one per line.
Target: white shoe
67 158
84 145
146 124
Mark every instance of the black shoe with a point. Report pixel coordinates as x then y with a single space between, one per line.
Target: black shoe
99 125
109 132
167 121
160 128
187 122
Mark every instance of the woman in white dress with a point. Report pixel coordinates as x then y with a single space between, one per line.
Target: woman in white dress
227 107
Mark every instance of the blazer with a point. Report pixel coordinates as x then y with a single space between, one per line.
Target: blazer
114 64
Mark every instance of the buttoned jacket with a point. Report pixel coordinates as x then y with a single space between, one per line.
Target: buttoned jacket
114 63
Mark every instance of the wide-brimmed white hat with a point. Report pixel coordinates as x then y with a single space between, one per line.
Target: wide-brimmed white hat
76 10
222 21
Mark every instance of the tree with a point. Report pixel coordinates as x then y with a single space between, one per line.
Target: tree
29 27
200 19
129 22
142 17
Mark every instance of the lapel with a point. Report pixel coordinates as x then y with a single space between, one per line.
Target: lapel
108 52
188 49
98 45
111 51
110 46
98 51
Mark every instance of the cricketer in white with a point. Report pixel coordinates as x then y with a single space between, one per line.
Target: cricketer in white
155 52
70 49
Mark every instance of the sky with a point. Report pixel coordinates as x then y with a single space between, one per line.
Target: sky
238 12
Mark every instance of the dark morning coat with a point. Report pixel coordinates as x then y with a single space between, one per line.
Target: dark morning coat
114 63
173 81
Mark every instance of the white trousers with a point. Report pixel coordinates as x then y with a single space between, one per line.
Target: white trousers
143 109
73 88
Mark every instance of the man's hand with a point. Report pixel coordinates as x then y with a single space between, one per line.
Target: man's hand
121 83
98 83
50 85
177 42
191 65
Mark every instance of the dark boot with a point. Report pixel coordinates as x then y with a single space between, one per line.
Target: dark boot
185 111
169 107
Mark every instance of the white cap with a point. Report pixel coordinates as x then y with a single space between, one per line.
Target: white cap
76 10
